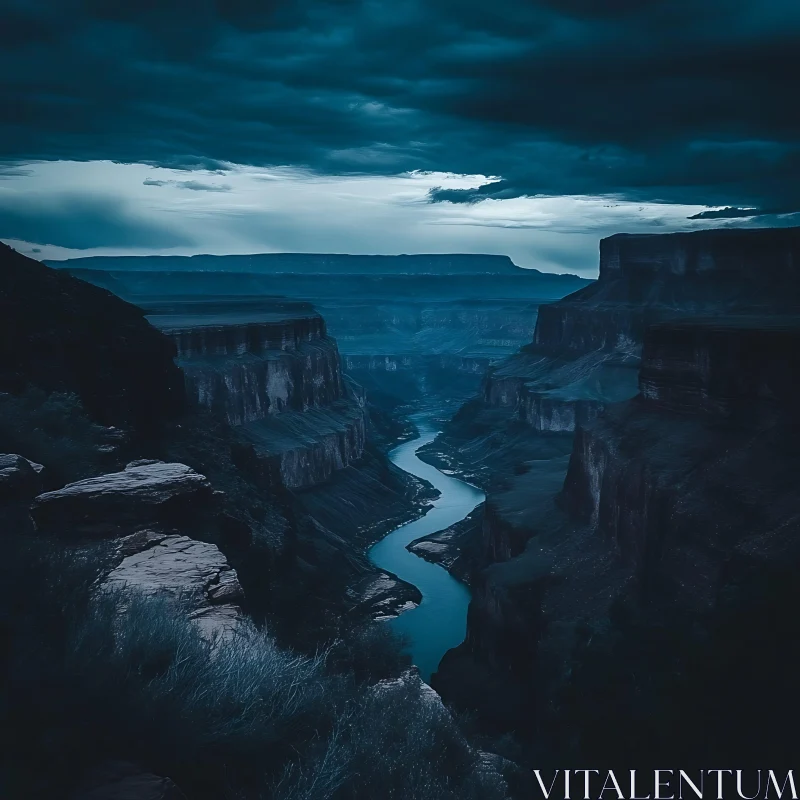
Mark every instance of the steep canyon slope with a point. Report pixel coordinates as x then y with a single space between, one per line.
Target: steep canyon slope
258 404
630 547
148 531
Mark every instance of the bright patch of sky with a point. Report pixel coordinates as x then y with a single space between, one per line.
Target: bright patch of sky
148 210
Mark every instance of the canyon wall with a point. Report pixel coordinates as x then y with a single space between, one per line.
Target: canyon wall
251 370
660 507
643 279
413 330
249 394
276 373
472 306
700 460
65 335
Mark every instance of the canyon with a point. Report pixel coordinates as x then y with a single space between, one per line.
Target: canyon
640 462
236 473
636 443
407 327
288 433
314 414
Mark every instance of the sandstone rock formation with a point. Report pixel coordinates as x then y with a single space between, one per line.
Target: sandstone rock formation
191 572
122 502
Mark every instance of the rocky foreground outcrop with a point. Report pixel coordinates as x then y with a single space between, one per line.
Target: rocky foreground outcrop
149 510
144 493
196 574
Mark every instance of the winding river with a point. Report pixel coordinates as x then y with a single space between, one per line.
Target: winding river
439 622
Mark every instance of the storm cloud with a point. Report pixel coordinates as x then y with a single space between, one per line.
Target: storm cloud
653 100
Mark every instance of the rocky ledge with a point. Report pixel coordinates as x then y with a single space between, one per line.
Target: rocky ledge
250 362
145 492
458 548
193 573
586 347
309 447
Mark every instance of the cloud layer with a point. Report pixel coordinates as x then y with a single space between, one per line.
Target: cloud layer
646 100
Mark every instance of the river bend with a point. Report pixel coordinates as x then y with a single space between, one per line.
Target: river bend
440 621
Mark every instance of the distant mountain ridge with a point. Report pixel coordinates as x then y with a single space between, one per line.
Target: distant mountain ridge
309 263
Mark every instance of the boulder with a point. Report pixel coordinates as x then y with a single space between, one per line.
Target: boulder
117 503
196 573
20 479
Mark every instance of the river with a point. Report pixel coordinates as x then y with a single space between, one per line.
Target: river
440 621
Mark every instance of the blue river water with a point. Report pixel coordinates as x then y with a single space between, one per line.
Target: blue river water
440 621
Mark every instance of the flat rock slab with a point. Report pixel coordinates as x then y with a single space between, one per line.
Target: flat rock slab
122 502
196 573
20 479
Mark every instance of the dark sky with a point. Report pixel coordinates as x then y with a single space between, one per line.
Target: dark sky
689 102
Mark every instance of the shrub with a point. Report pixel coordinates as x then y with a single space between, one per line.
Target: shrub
99 676
54 430
370 652
399 743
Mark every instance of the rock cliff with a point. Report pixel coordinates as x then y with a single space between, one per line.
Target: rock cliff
62 334
582 345
268 368
587 347
274 371
702 459
145 492
193 573
411 329
662 512
249 365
